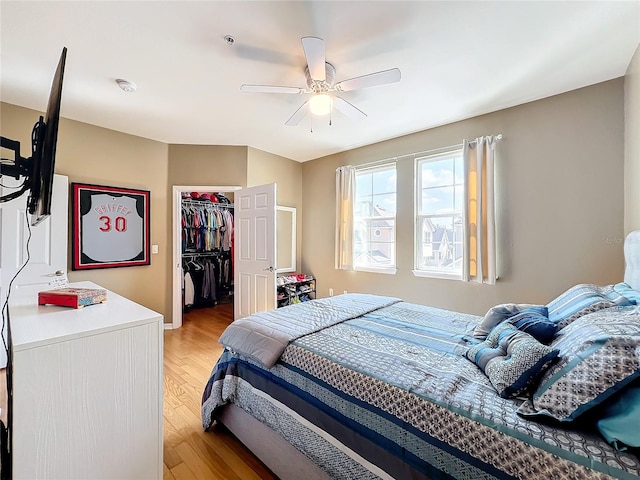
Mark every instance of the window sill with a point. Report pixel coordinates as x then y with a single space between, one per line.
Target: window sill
441 275
386 271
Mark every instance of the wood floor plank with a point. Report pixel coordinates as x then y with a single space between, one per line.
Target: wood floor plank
221 434
182 472
173 390
189 452
171 436
171 457
166 474
207 440
199 467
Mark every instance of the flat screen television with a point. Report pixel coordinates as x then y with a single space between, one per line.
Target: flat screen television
38 170
37 173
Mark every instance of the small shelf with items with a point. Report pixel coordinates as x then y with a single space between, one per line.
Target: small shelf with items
295 288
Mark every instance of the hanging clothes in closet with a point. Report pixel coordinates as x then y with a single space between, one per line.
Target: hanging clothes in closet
200 281
207 246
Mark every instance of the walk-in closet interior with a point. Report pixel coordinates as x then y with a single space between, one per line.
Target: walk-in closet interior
207 238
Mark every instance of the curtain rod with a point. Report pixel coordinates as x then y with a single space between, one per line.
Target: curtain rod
433 151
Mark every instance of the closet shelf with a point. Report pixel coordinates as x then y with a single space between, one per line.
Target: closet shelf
205 254
206 203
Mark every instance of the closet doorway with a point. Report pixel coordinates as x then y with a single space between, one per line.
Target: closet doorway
178 190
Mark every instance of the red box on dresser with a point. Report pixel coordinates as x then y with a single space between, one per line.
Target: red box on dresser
72 297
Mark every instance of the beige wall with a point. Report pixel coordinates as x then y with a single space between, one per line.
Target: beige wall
561 203
90 154
263 168
206 165
632 145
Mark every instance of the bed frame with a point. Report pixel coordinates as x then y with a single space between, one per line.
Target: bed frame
274 451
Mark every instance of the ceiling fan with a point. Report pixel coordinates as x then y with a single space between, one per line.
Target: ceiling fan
320 82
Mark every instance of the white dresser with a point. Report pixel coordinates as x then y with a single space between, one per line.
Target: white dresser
87 389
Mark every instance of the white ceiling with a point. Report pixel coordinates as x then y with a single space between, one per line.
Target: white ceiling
458 60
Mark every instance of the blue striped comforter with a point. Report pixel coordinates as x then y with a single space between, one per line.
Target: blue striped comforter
390 395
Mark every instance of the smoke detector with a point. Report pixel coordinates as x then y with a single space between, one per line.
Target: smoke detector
126 85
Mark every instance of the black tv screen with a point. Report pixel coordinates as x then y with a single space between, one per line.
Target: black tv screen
44 150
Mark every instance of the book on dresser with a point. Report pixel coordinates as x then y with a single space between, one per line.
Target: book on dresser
72 297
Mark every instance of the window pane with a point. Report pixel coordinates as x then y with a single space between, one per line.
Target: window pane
441 203
440 250
374 218
459 198
363 184
437 173
437 200
458 230
383 254
384 181
385 203
459 170
363 207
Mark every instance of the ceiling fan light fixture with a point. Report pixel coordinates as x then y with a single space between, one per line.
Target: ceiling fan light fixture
320 104
320 76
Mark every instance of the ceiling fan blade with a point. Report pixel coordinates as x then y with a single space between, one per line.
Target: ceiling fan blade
371 80
350 110
297 117
269 89
314 52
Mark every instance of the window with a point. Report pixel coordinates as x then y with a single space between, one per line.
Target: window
440 215
374 219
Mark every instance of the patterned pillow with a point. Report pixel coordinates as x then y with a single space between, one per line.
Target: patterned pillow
583 299
535 324
500 313
513 360
600 354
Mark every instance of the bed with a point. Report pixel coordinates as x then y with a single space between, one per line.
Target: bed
363 386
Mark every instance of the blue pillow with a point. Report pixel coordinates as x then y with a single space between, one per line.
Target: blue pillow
619 421
625 291
513 360
581 300
535 324
502 312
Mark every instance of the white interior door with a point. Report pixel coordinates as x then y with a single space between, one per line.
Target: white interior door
47 247
255 250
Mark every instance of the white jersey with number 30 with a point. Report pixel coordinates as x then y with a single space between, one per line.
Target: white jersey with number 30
112 229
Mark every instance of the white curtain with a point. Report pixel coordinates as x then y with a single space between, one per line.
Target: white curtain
345 191
480 222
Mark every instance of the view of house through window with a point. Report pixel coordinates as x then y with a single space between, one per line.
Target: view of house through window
374 225
440 214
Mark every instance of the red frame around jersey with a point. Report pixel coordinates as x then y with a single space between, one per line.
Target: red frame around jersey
111 227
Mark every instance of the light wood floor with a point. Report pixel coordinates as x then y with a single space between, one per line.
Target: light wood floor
189 453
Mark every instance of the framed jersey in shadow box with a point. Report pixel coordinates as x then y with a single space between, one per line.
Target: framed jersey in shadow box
111 227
